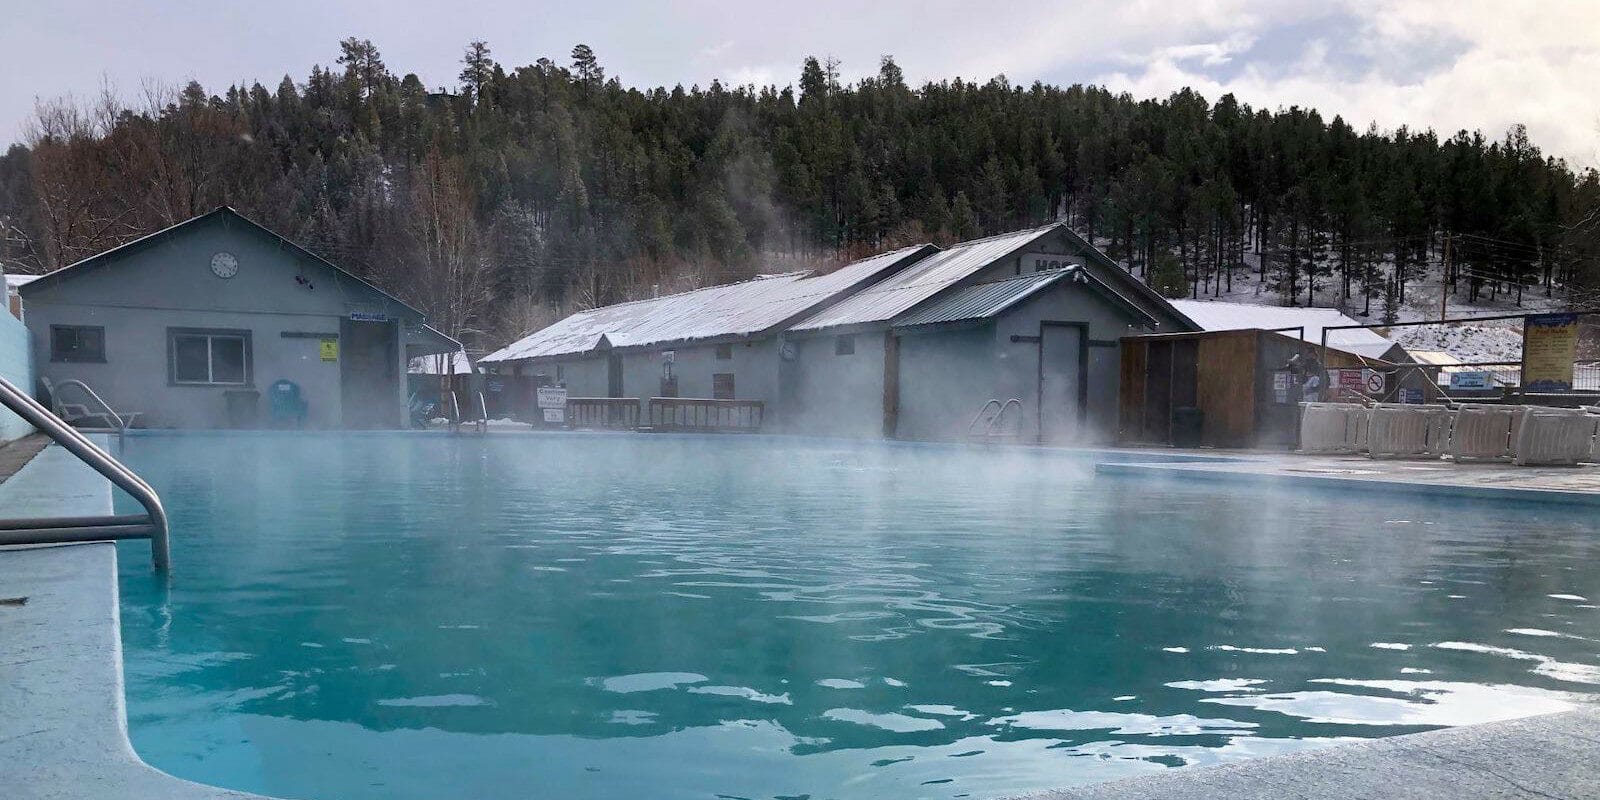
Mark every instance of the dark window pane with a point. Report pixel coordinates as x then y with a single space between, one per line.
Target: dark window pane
722 386
190 359
77 343
844 345
227 359
724 352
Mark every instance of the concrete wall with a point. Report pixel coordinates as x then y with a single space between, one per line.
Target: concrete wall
16 366
834 395
946 375
138 294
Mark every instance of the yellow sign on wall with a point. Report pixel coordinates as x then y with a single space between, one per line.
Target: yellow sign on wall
1549 345
330 349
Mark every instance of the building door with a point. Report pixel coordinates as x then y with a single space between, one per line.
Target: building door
1062 386
369 374
613 375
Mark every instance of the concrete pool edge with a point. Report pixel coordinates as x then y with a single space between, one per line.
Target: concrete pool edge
1239 471
63 719
1547 756
63 726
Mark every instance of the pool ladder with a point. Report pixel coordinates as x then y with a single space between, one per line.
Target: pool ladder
987 425
481 424
152 524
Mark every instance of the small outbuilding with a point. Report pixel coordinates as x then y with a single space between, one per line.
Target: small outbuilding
1034 316
192 326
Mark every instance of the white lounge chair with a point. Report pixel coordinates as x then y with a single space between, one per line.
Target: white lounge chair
79 415
1484 432
1400 430
1332 428
1555 437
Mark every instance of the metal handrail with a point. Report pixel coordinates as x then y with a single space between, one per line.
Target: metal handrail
972 427
483 413
992 422
153 525
122 424
989 431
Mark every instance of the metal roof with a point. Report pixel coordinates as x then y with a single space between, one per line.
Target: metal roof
899 293
1213 315
735 309
982 300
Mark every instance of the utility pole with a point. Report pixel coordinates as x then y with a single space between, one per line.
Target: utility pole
1444 278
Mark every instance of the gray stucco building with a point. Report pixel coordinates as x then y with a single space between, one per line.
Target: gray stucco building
191 325
908 344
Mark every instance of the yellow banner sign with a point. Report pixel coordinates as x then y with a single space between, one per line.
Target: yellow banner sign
1549 345
330 349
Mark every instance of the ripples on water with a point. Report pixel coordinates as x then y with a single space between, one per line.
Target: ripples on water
599 616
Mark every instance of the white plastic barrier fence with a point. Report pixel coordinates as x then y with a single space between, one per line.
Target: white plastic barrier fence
1555 436
1333 427
1486 433
1400 430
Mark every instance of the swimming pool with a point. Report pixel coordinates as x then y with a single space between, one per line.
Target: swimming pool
419 616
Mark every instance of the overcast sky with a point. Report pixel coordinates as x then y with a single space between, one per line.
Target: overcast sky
1448 64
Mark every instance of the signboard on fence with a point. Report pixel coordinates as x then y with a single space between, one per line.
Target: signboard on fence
1549 345
1282 382
552 398
1355 380
1411 396
555 415
1376 382
1475 380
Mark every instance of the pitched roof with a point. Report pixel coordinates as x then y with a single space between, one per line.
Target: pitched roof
735 309
899 293
982 300
1213 315
100 259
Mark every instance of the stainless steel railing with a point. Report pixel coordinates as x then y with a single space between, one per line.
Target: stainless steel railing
150 525
109 415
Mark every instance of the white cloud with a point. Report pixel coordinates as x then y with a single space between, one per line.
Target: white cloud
1517 63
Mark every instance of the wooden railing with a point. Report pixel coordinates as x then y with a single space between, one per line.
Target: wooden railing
618 413
705 414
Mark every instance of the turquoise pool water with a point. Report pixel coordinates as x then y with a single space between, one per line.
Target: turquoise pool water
414 616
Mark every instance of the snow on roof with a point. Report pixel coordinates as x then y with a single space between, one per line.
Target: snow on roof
1437 358
15 281
900 292
435 364
735 309
1212 315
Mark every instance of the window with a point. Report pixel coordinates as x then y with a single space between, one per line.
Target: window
82 343
208 357
844 345
722 386
724 352
561 374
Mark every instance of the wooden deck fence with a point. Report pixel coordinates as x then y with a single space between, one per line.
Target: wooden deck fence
615 413
704 414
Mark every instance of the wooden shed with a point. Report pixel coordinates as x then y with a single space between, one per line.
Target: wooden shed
1232 385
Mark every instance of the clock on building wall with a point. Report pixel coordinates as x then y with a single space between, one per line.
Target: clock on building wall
224 265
